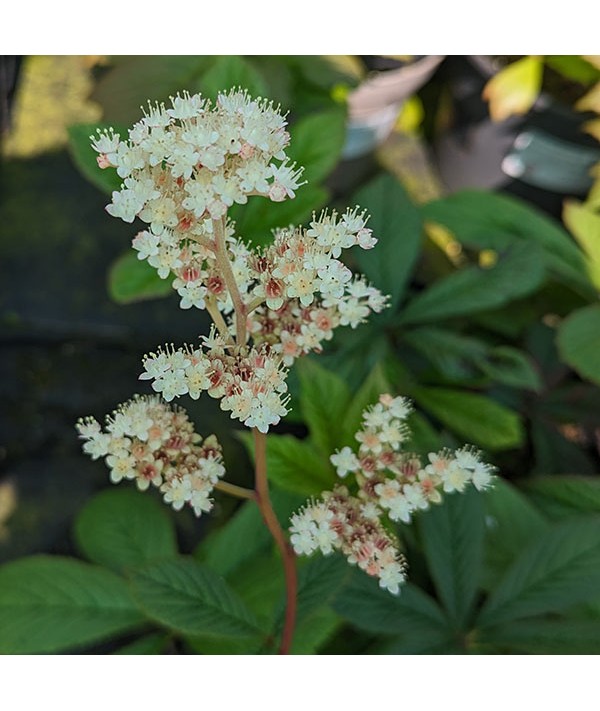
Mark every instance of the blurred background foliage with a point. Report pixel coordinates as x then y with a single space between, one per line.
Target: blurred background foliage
481 177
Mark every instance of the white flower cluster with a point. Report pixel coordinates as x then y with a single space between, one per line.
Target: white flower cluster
250 383
155 444
390 480
342 522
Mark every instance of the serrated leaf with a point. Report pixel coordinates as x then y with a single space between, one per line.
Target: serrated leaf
150 644
122 528
319 580
131 279
51 604
563 496
189 598
476 418
84 156
365 605
396 223
510 366
514 89
324 401
578 341
512 522
452 535
518 271
486 220
230 72
315 631
546 637
316 143
294 465
221 550
555 572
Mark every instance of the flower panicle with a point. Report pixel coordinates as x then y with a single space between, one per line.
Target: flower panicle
154 444
390 482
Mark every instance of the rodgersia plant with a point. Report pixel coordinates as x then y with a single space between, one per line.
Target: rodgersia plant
183 167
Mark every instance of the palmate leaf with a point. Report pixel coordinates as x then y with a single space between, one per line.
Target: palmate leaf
556 571
478 419
452 535
366 606
51 604
486 220
512 522
518 271
245 535
324 402
121 528
539 636
396 223
560 497
189 598
294 465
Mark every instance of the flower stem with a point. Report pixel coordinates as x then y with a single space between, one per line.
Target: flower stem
218 320
235 490
224 265
287 554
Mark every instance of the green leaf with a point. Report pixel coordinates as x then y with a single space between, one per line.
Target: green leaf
230 72
324 401
132 81
315 631
189 598
256 220
452 535
486 220
563 496
555 572
476 418
319 580
512 522
293 464
546 637
573 67
449 352
579 342
316 143
318 583
51 604
121 528
510 366
84 156
131 279
365 605
150 644
396 223
221 550
518 271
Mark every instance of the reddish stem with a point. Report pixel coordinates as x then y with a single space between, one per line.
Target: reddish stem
287 553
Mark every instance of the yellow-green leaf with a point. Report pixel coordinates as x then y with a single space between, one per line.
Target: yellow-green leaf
584 225
514 89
